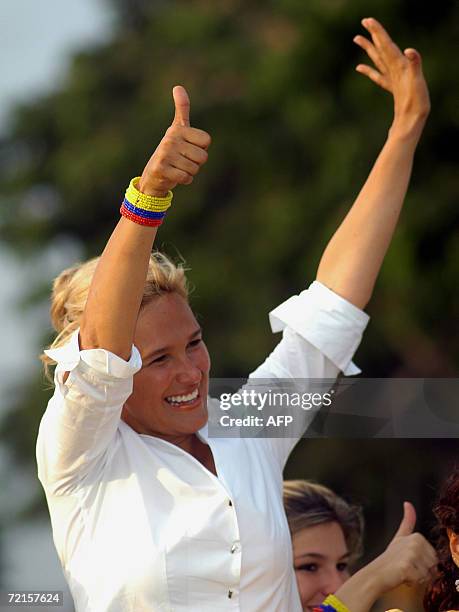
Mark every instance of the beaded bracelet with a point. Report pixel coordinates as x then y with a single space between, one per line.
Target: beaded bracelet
331 604
141 212
142 208
140 220
147 202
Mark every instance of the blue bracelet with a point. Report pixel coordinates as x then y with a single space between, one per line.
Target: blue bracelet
141 212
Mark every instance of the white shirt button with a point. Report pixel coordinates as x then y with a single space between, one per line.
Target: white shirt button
234 547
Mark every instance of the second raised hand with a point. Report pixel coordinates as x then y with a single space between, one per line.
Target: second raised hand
180 154
397 72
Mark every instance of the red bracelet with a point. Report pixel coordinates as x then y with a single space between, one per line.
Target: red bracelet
140 220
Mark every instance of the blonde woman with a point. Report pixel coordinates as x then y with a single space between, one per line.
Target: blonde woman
148 512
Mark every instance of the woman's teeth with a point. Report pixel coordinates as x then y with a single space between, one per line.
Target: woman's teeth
182 399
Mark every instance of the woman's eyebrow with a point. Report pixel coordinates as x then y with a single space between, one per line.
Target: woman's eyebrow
311 554
164 349
315 555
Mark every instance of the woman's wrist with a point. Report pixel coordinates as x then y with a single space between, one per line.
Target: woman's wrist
407 130
149 188
144 208
360 592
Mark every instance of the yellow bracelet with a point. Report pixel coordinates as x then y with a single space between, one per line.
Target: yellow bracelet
332 600
147 202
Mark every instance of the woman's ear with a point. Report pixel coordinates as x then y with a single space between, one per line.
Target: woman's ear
453 545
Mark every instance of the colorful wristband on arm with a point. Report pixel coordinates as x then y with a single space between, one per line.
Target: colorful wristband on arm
331 604
142 208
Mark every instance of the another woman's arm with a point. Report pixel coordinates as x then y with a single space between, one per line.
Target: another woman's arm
116 291
352 260
408 559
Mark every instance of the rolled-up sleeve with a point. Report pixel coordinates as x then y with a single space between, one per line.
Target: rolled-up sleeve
321 332
82 417
328 322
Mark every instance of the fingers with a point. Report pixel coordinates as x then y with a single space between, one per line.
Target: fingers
179 177
381 50
371 51
177 160
182 106
196 154
186 165
193 136
426 557
384 53
381 38
197 137
413 55
374 75
177 169
406 527
414 59
431 558
418 559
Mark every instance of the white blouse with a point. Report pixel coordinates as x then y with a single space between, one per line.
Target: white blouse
139 524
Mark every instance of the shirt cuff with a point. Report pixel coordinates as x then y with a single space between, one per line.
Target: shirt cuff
69 355
326 320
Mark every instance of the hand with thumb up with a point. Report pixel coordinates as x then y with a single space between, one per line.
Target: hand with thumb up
408 559
180 154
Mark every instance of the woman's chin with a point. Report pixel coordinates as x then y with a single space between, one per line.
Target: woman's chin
189 419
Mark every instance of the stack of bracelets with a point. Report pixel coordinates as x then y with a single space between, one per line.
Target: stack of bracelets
144 209
331 604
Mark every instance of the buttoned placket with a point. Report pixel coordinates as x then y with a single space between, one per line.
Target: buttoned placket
235 548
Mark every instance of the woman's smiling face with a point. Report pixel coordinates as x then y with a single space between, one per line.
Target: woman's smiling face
321 560
169 398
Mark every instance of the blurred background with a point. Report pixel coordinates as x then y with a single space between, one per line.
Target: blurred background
85 99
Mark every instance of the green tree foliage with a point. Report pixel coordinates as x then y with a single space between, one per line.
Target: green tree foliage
295 131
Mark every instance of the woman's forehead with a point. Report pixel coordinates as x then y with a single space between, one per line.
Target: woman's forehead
326 539
166 319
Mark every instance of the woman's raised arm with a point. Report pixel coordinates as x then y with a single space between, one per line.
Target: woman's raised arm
116 291
352 260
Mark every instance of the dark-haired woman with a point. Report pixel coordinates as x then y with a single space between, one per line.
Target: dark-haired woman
443 592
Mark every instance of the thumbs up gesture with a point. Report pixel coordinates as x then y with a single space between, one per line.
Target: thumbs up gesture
180 154
408 559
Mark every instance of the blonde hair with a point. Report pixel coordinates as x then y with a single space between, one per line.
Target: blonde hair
71 288
307 504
